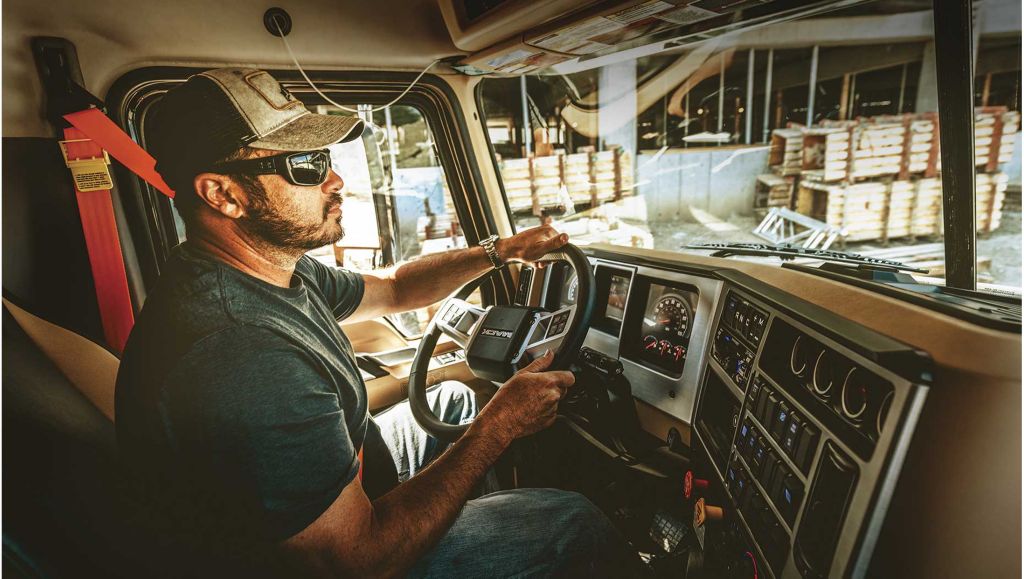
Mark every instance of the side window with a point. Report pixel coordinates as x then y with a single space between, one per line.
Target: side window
397 204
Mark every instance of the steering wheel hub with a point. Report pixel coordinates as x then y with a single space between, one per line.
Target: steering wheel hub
496 349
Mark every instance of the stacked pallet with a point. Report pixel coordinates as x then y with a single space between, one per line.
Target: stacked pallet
537 184
880 210
868 148
923 143
826 154
547 181
785 157
578 177
995 130
770 191
515 174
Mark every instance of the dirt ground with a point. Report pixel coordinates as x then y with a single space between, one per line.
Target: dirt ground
1004 247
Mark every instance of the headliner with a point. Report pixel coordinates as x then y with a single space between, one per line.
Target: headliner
114 37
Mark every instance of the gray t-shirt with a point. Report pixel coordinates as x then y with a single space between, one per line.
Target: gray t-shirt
239 403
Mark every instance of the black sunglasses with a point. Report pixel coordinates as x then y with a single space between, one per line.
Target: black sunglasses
305 168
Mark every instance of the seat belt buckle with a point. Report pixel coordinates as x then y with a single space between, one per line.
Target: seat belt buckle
90 173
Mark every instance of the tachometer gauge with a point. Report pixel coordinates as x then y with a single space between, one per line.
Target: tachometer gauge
672 316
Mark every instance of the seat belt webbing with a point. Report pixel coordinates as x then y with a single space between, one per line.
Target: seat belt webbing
89 139
103 245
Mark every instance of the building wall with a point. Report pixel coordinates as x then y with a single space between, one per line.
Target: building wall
717 180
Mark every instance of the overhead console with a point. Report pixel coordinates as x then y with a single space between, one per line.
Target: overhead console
804 418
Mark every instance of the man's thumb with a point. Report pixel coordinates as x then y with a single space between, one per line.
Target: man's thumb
540 364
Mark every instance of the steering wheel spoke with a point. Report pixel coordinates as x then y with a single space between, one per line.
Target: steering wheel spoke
456 319
550 331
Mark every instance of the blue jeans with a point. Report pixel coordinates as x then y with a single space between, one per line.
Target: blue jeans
518 533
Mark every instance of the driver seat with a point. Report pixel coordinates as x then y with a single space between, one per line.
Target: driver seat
69 511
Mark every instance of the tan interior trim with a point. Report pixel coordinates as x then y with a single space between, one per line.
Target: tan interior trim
657 423
91 369
393 388
371 336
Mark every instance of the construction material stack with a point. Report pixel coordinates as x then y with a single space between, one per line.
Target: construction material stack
540 185
878 178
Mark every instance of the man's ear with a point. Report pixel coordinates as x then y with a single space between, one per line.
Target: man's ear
218 192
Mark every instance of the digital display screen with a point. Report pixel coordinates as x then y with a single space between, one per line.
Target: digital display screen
618 289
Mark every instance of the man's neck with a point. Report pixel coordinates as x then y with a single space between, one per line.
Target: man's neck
270 264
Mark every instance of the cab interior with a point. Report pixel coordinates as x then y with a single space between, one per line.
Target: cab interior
738 413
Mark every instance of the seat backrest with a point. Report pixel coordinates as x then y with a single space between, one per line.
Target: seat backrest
90 368
62 490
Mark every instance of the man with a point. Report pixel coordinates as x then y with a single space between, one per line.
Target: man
239 403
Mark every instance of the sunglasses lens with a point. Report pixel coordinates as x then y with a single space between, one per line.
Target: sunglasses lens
310 168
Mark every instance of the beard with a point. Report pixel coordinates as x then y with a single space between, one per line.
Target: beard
286 231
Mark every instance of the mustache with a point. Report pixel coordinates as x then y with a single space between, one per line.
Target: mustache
333 201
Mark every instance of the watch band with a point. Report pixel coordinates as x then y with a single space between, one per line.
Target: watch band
489 245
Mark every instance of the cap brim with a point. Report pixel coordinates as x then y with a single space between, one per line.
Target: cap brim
311 131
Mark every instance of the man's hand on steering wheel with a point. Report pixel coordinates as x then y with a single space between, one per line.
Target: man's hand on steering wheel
530 245
527 402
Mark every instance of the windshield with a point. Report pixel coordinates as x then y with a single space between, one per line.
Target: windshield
821 133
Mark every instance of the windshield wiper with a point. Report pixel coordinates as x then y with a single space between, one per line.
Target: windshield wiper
791 252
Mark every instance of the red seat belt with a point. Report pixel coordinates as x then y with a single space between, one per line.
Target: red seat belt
85 149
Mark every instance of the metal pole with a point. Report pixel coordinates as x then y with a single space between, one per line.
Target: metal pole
844 98
955 84
527 136
686 116
664 120
812 84
903 89
721 89
750 97
768 93
391 139
853 96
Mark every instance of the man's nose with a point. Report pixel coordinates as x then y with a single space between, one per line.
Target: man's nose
334 182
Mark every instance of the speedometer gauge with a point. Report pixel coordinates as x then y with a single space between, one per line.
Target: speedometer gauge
672 316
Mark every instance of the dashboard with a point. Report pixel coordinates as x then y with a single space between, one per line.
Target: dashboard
800 418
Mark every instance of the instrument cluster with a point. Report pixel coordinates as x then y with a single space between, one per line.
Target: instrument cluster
661 337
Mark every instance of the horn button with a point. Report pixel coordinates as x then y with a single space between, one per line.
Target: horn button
500 340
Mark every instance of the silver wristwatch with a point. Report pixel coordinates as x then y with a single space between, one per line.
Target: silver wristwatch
489 245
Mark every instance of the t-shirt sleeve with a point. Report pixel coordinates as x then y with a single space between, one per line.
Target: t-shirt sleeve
254 415
342 288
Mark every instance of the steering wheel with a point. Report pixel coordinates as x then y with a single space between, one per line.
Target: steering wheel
499 340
